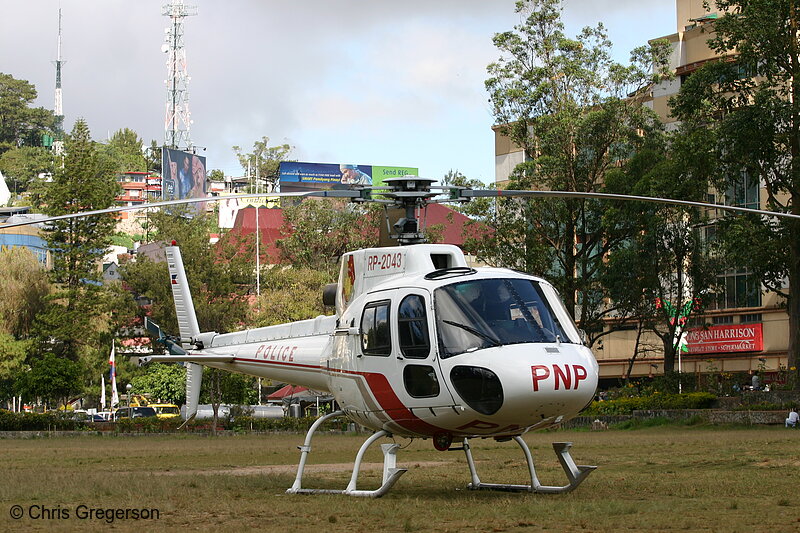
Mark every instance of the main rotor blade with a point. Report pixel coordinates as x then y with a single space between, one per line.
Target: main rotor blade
495 193
341 193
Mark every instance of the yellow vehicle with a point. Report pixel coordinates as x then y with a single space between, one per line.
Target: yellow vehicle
163 410
166 410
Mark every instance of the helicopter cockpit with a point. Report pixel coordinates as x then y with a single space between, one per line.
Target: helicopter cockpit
486 313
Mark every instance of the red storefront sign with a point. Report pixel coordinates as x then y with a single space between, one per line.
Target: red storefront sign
722 339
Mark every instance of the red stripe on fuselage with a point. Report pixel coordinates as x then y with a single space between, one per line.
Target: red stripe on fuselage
380 388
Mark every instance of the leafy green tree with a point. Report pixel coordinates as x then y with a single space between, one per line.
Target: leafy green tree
153 156
163 382
222 387
124 151
21 124
317 233
216 175
564 102
219 282
264 161
289 294
53 379
78 243
749 105
13 354
22 166
24 288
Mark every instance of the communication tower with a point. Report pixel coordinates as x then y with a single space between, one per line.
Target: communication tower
58 109
177 122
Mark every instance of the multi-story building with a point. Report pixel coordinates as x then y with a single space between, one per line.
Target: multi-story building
137 188
744 328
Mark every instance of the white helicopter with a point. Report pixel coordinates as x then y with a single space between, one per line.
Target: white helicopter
421 345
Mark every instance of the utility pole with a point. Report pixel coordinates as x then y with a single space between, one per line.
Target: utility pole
177 120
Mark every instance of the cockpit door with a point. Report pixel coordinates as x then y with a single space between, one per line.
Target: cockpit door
399 357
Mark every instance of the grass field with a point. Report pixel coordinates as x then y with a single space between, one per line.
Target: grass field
658 479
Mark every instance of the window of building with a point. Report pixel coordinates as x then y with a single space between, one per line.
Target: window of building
743 192
375 332
721 320
738 288
752 318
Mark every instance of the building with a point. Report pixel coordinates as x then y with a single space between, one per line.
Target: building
29 237
137 188
745 329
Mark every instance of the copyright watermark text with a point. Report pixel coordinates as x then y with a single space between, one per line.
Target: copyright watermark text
109 515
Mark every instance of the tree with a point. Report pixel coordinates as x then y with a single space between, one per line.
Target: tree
289 294
317 233
565 103
53 379
216 175
219 282
20 124
13 353
23 166
749 103
78 244
264 162
153 156
164 382
124 151
24 288
223 387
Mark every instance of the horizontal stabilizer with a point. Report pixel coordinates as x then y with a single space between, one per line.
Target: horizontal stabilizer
185 358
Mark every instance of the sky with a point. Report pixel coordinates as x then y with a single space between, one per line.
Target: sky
341 81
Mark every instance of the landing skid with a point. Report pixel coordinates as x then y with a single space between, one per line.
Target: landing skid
575 473
390 472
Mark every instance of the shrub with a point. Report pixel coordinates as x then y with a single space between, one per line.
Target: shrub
626 406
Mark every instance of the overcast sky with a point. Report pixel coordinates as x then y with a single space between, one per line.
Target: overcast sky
366 82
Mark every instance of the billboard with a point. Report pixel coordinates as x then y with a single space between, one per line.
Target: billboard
183 175
721 339
298 176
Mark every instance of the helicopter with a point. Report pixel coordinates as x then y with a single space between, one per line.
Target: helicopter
421 344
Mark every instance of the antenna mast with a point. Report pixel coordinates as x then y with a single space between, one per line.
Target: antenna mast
177 121
58 109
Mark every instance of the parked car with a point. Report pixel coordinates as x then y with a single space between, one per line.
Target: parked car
133 412
166 410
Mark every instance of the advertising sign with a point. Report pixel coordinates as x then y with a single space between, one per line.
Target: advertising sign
722 339
297 176
183 175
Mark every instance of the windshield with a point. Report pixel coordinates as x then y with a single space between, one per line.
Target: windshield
476 314
168 410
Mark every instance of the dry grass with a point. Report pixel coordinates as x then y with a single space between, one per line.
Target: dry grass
659 479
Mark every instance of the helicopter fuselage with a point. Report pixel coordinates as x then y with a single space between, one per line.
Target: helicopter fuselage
421 351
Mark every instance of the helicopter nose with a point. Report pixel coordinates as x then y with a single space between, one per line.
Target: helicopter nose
531 383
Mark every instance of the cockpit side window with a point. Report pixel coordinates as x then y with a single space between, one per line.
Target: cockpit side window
375 332
412 322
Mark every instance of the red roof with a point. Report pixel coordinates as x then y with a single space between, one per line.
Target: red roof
456 226
285 392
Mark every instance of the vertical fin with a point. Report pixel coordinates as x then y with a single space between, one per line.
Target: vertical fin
187 326
184 306
194 378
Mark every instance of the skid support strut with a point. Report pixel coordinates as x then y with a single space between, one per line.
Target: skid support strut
390 471
575 473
